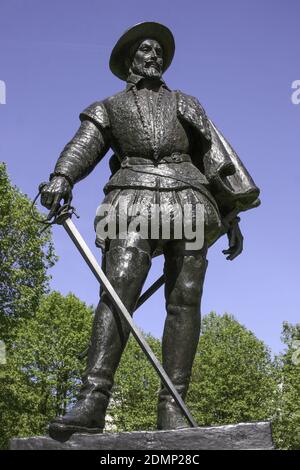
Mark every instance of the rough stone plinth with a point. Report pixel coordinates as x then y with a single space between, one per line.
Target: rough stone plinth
239 436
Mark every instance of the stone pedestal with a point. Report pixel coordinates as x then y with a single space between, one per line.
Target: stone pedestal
242 436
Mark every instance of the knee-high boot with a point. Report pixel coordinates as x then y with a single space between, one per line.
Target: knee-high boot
126 268
181 336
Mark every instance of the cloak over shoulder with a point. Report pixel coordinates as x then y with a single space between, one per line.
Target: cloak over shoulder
230 182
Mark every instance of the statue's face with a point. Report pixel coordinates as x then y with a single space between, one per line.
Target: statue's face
148 59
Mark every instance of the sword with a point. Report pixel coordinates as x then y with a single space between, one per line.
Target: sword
64 219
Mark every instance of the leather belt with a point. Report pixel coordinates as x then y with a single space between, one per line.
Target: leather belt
174 158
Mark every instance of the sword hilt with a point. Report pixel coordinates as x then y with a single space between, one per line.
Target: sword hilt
63 213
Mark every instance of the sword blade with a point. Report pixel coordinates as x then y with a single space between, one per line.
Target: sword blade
150 291
122 310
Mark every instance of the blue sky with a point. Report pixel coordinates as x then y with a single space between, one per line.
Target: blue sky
239 58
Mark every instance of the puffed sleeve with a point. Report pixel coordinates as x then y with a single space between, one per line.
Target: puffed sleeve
88 146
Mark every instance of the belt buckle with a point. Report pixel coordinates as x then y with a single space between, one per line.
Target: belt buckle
124 162
176 157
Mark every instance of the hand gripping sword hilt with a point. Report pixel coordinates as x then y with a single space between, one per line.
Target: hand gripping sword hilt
63 213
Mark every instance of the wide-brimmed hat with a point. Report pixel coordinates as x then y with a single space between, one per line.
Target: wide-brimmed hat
141 31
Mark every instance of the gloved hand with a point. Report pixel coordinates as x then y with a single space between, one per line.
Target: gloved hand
235 240
53 192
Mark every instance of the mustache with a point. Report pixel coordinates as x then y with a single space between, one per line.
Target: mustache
153 63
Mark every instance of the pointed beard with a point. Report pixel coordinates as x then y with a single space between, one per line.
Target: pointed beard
151 72
147 72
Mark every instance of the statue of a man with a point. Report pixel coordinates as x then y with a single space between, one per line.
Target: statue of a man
166 152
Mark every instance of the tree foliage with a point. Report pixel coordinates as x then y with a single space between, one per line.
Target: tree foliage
233 375
25 256
43 370
233 380
287 420
134 398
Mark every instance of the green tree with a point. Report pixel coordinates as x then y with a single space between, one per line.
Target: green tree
25 256
134 398
233 380
287 422
233 375
42 374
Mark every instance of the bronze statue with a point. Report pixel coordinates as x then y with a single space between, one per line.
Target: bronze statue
166 153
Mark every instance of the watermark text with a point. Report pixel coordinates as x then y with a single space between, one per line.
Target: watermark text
2 353
155 222
2 92
296 94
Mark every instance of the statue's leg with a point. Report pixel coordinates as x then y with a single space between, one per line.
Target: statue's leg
127 263
184 272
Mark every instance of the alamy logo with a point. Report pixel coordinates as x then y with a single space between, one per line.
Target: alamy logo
296 353
181 222
296 94
2 353
2 92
